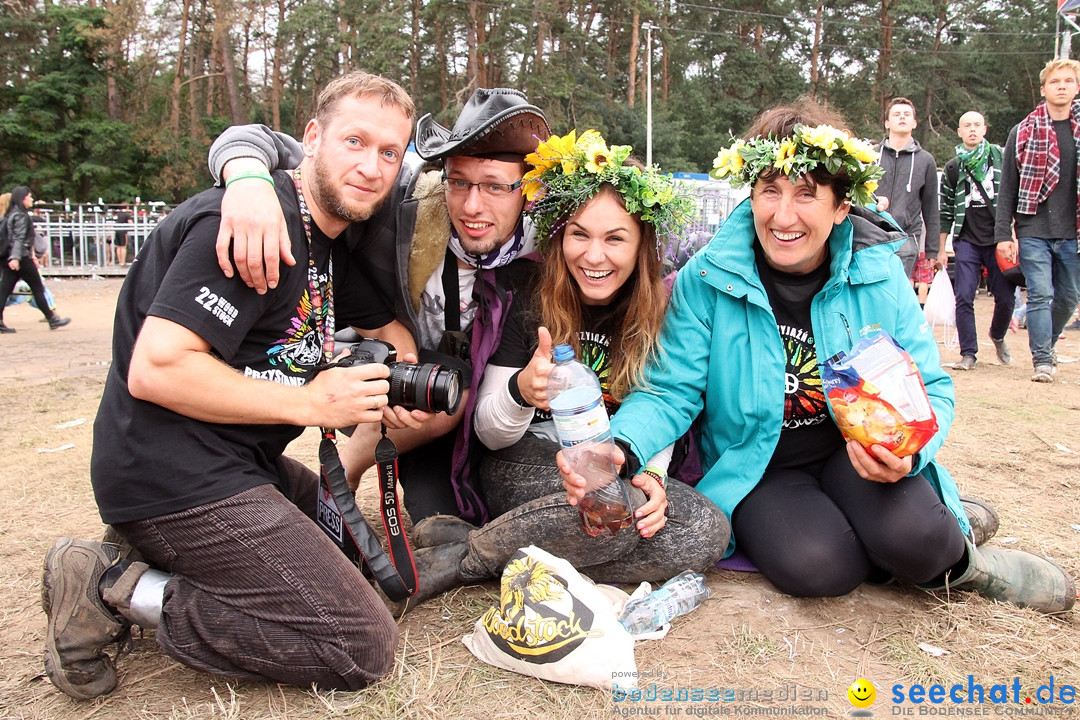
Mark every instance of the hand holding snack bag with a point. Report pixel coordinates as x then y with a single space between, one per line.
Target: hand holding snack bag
878 397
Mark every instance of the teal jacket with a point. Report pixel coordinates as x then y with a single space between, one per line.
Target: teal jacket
722 357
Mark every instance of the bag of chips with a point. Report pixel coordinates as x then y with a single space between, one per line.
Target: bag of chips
878 398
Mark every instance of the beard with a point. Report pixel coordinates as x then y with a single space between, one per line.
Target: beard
328 196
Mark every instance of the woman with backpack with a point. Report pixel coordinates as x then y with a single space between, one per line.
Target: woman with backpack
17 246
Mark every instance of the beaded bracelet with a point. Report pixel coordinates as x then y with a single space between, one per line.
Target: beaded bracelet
657 473
260 174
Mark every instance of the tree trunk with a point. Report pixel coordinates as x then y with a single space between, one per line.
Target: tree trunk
928 103
277 83
885 55
815 52
414 54
223 20
631 84
178 75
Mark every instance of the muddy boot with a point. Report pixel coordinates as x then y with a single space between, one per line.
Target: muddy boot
1015 576
440 530
80 625
982 517
438 569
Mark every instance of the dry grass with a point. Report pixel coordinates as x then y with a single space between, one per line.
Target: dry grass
1006 445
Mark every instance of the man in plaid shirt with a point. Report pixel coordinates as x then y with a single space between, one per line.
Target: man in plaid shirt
969 187
1037 204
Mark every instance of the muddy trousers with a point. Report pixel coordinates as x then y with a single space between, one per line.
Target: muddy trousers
523 488
259 592
823 533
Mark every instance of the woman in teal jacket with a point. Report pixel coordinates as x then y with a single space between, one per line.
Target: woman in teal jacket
796 275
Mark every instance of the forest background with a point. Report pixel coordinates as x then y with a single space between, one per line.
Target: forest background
118 98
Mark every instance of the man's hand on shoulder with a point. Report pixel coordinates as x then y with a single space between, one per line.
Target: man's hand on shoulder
252 219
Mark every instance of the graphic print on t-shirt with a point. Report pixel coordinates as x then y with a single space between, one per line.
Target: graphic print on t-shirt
804 399
301 349
596 354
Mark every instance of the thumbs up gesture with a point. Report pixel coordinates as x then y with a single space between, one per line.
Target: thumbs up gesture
533 379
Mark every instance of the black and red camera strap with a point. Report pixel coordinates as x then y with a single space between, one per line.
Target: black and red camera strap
341 519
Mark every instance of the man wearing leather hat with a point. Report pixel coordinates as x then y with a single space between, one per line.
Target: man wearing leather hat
443 251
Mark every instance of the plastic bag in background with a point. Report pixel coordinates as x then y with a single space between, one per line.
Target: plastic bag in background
553 623
940 310
878 397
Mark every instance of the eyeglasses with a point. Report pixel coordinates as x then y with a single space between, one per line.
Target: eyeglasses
457 186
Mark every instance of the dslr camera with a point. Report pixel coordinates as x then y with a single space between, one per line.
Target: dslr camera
422 386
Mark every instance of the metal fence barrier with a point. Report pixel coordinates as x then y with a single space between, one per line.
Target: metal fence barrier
80 236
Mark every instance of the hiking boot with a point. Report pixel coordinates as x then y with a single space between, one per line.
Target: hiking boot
58 322
982 518
438 569
440 530
1004 356
80 625
966 363
5 329
1015 576
123 547
1043 374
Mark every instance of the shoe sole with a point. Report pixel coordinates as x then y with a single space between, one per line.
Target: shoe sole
52 586
1042 378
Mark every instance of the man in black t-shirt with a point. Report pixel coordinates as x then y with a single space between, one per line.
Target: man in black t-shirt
210 381
1038 206
969 190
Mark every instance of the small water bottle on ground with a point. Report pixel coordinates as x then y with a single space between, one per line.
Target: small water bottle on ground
677 596
581 421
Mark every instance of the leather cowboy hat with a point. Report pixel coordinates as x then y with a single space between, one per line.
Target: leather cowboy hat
494 123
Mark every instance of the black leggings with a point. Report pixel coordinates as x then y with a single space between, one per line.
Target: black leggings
824 535
27 271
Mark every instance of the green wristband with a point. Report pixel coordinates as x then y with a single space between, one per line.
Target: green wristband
260 174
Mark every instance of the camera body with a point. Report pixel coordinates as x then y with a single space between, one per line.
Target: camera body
423 386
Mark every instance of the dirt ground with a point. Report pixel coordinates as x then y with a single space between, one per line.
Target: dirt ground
1014 443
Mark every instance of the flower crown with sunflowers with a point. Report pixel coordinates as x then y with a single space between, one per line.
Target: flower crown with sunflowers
806 149
569 170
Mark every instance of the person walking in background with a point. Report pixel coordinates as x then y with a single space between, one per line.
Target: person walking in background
969 187
908 189
120 237
1037 204
19 238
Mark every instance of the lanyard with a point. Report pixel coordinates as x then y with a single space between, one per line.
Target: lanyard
320 294
338 514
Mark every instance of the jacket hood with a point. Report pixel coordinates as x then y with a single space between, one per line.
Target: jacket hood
859 246
913 146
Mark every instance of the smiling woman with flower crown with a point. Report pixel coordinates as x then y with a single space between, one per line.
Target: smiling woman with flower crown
798 273
603 223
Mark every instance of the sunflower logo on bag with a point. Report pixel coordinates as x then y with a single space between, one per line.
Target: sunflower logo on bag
537 618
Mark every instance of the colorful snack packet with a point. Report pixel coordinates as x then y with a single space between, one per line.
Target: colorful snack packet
878 397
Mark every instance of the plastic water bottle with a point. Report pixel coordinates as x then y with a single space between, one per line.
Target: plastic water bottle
677 596
581 421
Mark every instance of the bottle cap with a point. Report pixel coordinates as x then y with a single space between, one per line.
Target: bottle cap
563 352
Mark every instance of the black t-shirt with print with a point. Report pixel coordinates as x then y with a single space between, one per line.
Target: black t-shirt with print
149 461
809 436
519 341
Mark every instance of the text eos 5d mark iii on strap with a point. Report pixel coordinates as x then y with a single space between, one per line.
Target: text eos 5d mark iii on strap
428 387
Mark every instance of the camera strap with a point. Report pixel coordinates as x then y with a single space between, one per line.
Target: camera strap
341 519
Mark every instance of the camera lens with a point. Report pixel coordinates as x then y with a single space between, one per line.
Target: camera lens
428 387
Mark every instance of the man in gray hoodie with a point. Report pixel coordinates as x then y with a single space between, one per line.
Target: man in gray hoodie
909 188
